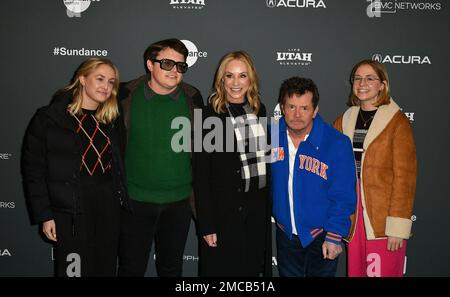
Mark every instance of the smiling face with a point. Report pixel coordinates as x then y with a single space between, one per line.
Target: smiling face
97 86
165 81
236 81
367 85
299 113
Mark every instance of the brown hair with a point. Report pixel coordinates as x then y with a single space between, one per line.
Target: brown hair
384 96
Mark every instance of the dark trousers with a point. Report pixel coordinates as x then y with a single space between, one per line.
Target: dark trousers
294 260
87 244
167 223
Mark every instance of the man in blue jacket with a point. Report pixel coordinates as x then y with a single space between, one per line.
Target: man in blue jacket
314 184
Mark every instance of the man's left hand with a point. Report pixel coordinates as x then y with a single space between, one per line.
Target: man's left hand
331 250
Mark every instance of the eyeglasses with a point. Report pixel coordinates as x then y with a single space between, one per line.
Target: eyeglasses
368 79
167 64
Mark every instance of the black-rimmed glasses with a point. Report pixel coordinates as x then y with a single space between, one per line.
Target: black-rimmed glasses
167 64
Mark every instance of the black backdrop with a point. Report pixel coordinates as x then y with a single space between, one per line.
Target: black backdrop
44 41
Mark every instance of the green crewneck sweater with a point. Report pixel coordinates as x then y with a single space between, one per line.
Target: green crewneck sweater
155 173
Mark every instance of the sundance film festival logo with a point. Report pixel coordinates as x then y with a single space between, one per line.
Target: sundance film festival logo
296 3
187 4
74 8
83 52
401 59
294 57
377 7
194 53
277 115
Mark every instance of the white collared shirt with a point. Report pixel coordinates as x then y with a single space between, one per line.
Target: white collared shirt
292 154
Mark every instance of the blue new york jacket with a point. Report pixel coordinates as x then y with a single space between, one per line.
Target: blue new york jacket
324 183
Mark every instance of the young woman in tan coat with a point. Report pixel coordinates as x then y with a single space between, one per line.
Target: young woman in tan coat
385 156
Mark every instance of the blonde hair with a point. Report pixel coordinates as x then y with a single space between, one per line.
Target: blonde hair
385 95
218 98
107 111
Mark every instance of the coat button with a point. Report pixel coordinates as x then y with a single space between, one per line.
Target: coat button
239 190
238 171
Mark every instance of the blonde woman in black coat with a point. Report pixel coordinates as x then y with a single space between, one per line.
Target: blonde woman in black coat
73 171
232 198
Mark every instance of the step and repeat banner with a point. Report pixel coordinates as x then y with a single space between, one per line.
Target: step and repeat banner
44 41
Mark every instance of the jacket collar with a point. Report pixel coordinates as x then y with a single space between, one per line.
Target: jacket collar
316 134
381 119
149 93
58 109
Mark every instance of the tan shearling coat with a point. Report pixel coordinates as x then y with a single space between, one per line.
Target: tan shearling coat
388 171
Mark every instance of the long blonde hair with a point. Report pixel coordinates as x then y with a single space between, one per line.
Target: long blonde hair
107 111
218 98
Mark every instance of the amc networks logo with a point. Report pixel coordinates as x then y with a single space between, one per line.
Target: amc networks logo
7 204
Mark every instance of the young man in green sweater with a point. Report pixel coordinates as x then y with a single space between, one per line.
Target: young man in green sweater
159 180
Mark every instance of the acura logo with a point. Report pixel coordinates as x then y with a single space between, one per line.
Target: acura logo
271 3
378 58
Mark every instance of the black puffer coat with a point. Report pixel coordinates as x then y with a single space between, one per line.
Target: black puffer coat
51 158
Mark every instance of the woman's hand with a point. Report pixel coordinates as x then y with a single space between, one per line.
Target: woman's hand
394 243
49 229
211 239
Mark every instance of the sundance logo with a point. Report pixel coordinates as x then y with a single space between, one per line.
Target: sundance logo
5 253
401 59
76 7
294 57
377 7
187 4
194 53
296 3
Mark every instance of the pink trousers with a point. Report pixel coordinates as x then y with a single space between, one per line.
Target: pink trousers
370 258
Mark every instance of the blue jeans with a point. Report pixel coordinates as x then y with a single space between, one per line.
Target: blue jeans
294 260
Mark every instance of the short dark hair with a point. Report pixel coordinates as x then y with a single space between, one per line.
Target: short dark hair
298 85
153 49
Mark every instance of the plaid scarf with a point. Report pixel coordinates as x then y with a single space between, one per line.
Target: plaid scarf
250 140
